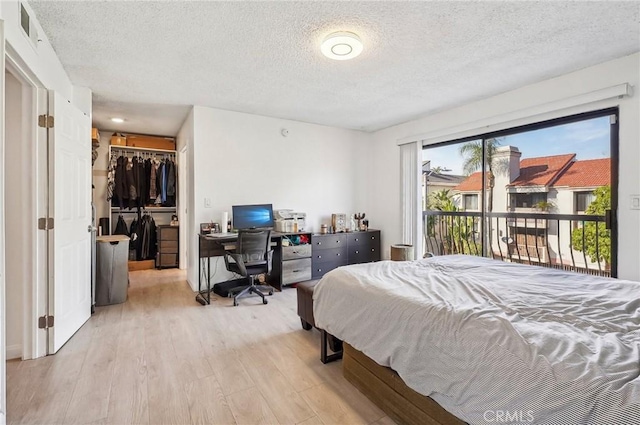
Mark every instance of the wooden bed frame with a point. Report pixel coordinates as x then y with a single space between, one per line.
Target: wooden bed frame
386 389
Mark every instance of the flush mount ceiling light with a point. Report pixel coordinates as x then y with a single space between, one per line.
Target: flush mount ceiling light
341 45
118 120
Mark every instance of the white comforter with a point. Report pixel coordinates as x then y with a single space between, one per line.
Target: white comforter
495 342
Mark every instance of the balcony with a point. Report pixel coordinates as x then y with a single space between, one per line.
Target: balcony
579 243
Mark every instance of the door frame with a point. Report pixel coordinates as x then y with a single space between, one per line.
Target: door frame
34 294
183 203
3 345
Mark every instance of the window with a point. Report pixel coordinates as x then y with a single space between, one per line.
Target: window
583 199
527 200
470 202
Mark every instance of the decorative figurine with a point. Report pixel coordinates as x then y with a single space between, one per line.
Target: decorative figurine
359 217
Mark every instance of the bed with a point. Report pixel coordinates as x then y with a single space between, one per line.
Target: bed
490 341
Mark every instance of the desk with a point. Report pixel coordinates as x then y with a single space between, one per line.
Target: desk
217 246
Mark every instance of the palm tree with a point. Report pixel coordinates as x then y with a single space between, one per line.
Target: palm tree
473 160
472 154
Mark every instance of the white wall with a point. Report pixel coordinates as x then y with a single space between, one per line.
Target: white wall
17 198
41 59
244 159
533 103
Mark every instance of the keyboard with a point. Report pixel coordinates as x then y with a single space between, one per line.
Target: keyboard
223 235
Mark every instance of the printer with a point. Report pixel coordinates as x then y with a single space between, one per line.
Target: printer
289 221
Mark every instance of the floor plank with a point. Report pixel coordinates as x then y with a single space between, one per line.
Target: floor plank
250 408
162 358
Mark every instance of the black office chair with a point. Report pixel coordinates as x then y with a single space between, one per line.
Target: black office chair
252 257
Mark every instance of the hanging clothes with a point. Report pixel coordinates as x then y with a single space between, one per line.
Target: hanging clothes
111 176
148 244
137 182
121 227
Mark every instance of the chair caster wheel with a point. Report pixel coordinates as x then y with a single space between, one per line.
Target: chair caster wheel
270 292
235 303
264 301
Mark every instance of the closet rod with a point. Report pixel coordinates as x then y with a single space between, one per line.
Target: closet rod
135 149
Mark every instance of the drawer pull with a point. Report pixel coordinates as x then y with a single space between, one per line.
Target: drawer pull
373 250
338 254
319 243
357 252
319 257
319 270
296 271
357 239
338 241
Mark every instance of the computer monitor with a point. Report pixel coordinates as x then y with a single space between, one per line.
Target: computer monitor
252 216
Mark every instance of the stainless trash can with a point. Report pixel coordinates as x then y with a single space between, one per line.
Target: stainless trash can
112 269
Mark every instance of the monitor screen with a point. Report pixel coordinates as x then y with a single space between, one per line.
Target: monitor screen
252 216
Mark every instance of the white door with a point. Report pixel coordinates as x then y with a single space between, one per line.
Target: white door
3 377
70 192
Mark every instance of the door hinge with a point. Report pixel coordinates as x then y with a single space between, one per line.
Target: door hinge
45 121
45 322
45 223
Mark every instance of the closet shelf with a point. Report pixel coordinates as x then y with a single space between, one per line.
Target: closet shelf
135 149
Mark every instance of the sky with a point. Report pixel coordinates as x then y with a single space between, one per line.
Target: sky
587 139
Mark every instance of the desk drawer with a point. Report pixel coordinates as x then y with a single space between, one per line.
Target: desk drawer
296 251
296 271
168 246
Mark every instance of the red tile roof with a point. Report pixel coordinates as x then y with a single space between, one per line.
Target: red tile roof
541 171
558 170
473 183
587 173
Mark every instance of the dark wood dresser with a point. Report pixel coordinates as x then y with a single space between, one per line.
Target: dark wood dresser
339 249
168 246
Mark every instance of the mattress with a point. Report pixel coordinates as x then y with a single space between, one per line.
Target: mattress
492 341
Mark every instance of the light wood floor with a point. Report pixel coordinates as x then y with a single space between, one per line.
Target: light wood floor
162 358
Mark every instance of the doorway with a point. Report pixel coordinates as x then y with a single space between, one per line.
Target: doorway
25 187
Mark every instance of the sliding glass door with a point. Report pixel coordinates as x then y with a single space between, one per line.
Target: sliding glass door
541 194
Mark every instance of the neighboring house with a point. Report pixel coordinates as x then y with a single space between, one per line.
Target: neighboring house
434 180
557 184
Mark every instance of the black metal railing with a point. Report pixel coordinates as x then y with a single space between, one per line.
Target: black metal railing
580 243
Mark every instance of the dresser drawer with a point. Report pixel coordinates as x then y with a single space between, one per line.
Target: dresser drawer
168 260
363 254
328 241
168 233
363 238
296 271
296 251
319 268
333 254
168 246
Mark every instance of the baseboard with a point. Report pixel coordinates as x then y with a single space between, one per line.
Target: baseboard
14 351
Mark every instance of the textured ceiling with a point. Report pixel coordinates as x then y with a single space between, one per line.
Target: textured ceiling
150 60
